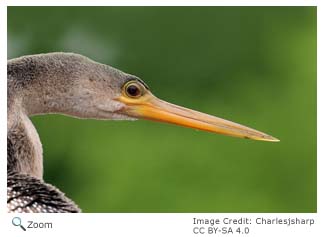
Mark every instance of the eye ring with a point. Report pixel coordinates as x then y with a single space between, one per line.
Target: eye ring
133 90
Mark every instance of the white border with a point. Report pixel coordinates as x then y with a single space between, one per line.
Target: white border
159 224
3 104
160 3
320 109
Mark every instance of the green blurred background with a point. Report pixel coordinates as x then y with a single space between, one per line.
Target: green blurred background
252 65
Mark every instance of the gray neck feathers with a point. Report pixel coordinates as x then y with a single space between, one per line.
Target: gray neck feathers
39 84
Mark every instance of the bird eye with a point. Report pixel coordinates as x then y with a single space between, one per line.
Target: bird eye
133 90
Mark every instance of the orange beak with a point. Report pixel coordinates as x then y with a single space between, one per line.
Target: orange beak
151 108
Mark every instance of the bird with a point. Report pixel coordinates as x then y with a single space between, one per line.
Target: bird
74 85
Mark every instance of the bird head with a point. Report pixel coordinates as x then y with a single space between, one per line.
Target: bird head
92 90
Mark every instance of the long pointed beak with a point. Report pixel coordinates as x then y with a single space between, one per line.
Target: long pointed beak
151 108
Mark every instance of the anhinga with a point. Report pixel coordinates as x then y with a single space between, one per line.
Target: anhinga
74 85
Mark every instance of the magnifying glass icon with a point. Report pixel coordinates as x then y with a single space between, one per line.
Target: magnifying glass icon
16 221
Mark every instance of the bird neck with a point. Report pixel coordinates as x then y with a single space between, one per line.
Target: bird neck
38 84
32 89
24 148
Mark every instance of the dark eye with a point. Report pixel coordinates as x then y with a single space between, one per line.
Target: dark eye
134 90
